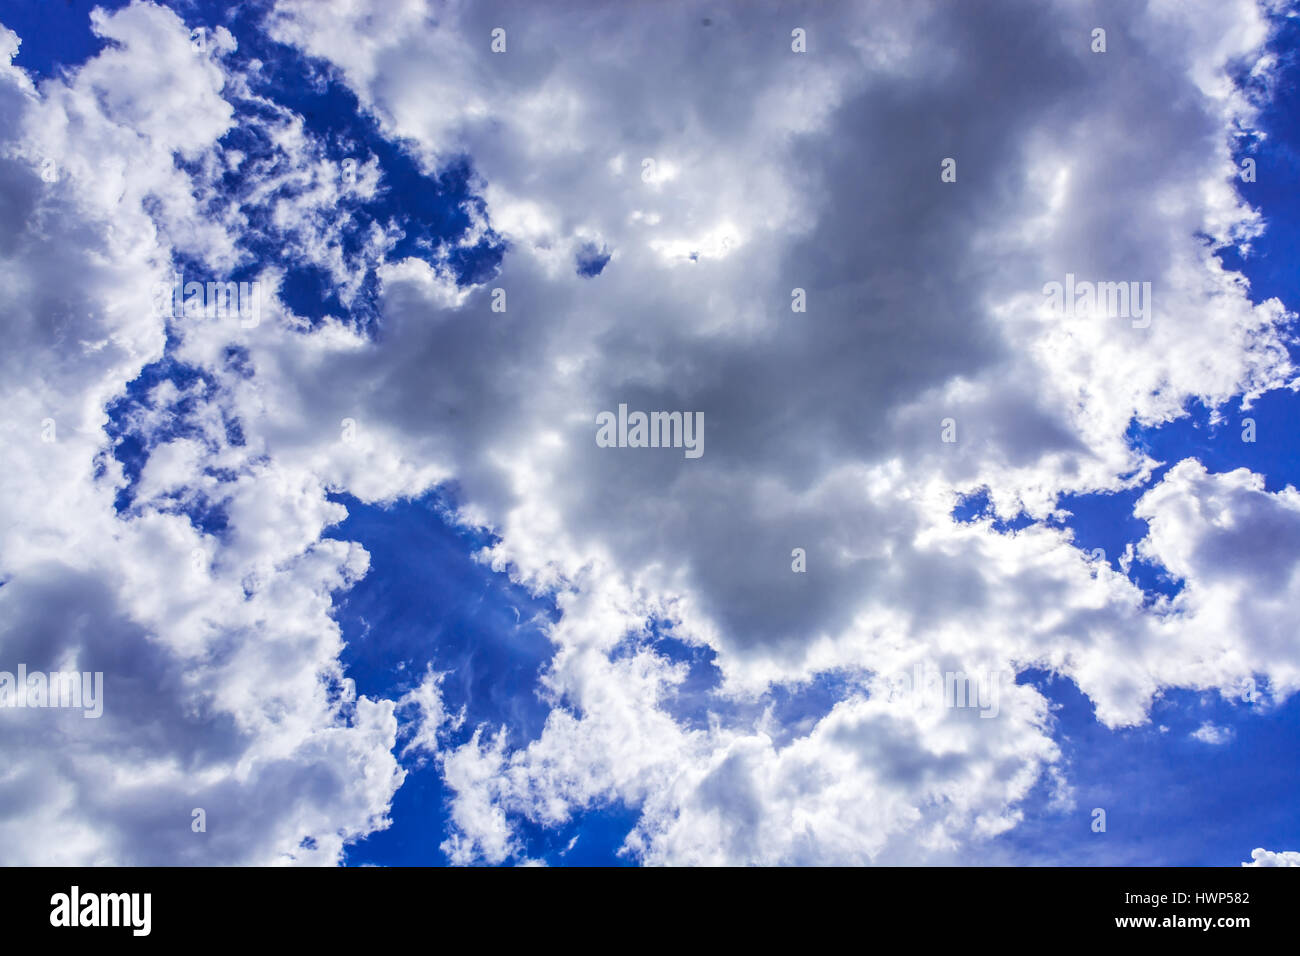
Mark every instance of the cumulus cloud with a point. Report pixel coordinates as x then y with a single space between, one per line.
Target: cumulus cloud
1212 734
222 687
770 172
924 302
1261 857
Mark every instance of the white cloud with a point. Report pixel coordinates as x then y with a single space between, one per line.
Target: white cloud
925 302
1212 734
223 689
431 717
1262 857
818 171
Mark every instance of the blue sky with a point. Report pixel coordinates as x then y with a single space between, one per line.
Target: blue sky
564 599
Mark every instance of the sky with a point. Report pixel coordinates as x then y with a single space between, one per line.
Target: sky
368 587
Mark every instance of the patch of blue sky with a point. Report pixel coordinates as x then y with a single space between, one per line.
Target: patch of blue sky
594 837
427 214
978 505
132 442
1170 798
591 260
426 603
56 34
